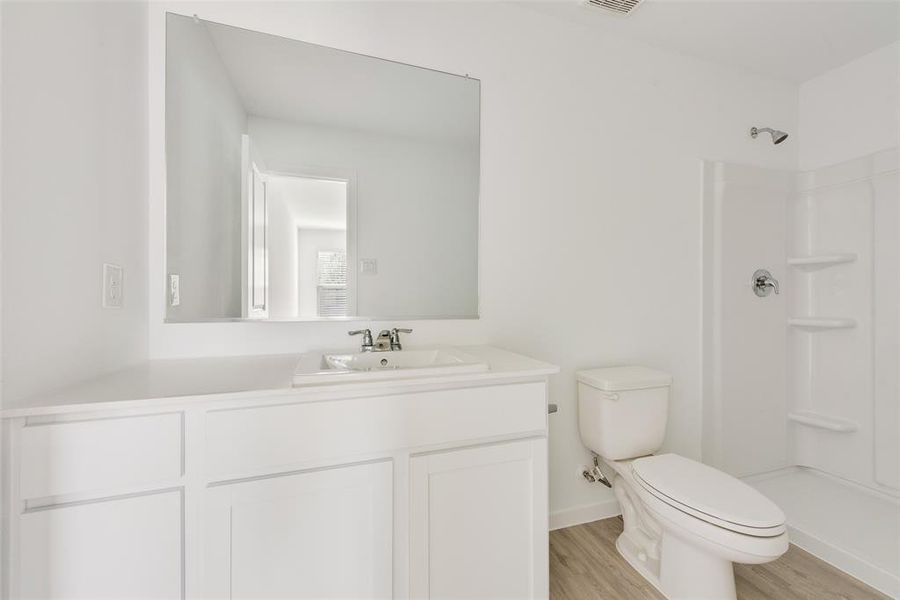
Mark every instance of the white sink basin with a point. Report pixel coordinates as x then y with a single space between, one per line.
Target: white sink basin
320 368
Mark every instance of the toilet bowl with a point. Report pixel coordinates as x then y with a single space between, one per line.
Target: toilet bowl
685 523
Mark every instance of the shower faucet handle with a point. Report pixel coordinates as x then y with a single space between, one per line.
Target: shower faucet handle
763 283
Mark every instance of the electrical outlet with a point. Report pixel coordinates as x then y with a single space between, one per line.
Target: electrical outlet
113 285
174 289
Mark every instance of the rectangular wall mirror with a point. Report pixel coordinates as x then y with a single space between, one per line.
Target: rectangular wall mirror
309 183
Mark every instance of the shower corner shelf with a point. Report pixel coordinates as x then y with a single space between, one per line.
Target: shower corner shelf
820 421
811 263
814 323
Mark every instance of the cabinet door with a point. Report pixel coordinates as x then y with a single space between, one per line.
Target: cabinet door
316 534
478 524
121 548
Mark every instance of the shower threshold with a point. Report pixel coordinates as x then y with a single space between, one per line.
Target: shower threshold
852 527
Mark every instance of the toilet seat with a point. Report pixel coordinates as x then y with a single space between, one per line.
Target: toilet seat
708 494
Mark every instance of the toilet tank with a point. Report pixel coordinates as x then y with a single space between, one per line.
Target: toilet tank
622 411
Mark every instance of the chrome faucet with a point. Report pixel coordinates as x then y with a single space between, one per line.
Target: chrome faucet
383 343
388 339
763 283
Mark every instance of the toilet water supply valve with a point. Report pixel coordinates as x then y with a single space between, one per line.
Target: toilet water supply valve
594 474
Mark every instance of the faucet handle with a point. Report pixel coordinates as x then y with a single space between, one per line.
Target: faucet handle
395 337
367 337
763 283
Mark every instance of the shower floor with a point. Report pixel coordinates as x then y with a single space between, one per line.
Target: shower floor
849 526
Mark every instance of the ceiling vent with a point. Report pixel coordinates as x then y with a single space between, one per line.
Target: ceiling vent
621 7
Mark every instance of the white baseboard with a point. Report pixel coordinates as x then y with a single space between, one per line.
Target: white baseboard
584 514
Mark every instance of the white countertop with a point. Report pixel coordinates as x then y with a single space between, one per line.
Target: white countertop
195 379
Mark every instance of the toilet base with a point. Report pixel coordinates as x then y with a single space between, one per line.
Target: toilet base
638 560
691 573
685 572
640 540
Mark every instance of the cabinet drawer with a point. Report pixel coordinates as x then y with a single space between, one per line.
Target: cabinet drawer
99 455
124 548
244 441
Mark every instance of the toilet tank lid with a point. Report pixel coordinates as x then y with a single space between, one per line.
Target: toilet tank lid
617 379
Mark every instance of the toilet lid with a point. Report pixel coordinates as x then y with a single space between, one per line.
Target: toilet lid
706 492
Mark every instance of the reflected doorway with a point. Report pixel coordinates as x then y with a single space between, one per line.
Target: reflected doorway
307 235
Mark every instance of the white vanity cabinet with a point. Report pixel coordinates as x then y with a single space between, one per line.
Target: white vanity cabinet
319 534
478 522
126 547
430 488
94 507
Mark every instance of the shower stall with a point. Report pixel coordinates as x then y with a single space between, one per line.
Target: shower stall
802 388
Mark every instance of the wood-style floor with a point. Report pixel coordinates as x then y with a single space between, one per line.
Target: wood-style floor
585 565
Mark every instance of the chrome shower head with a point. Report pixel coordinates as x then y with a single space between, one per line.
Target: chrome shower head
777 136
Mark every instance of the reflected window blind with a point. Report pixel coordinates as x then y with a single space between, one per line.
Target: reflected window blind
332 283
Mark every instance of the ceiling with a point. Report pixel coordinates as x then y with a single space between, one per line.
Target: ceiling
313 203
295 81
784 39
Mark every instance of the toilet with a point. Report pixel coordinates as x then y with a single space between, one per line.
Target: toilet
686 523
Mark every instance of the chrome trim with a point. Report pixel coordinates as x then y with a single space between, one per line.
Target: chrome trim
763 283
367 345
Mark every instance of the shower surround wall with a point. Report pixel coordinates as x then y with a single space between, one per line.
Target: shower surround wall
844 372
801 389
841 497
745 379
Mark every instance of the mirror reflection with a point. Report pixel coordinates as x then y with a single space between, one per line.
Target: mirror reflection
308 183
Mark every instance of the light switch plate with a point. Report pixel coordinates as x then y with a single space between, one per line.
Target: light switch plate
174 289
368 266
113 285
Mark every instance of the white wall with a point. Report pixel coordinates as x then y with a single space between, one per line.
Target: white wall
851 111
590 218
74 190
416 212
205 120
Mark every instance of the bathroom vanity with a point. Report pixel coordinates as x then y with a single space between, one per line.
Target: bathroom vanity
221 478
408 473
